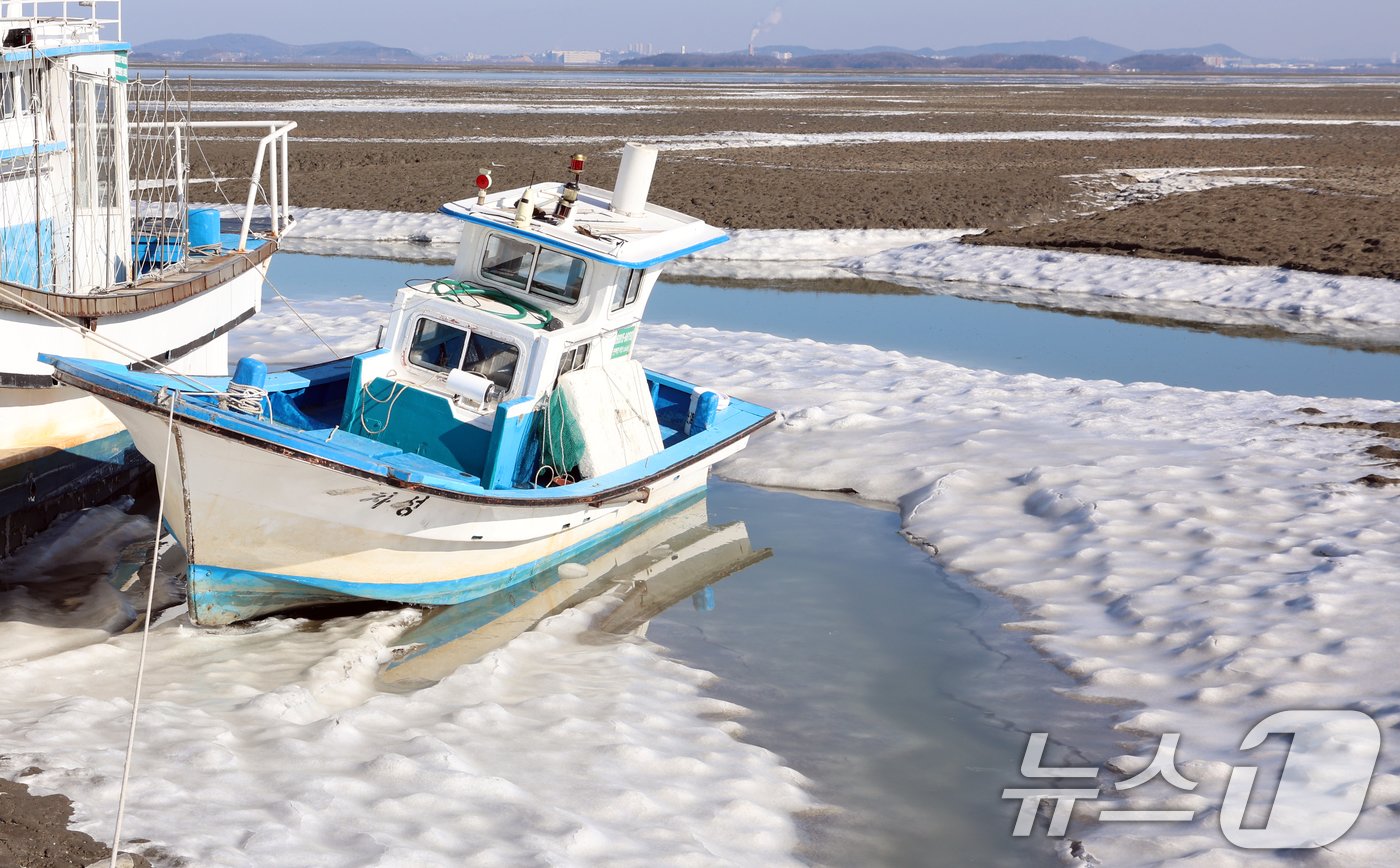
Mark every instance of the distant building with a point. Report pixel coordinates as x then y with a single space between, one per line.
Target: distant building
571 57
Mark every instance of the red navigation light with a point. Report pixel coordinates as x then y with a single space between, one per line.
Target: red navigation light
576 163
483 181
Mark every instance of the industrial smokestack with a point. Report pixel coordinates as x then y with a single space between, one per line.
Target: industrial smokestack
771 21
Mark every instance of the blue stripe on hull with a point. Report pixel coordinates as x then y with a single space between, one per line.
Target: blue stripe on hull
219 595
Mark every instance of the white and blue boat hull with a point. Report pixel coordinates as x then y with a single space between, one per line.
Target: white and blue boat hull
267 528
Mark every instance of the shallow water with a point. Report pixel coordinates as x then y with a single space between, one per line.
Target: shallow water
967 332
887 682
890 685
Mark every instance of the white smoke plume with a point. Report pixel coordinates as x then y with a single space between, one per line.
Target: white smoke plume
774 18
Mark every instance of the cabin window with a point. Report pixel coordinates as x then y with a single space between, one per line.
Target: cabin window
11 100
437 346
558 275
441 347
573 359
537 270
495 360
627 290
95 152
20 92
509 260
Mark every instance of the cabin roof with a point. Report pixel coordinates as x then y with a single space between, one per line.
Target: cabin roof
594 231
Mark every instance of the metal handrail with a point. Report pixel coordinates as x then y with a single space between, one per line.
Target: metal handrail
74 11
274 144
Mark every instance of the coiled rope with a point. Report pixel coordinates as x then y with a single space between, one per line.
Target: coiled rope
246 398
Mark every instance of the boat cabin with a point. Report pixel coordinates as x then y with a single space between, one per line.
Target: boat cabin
530 338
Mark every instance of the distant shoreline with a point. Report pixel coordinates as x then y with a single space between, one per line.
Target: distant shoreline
766 70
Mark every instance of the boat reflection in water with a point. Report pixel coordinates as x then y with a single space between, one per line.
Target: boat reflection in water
675 555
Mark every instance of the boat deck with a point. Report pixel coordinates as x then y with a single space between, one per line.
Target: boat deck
198 274
294 430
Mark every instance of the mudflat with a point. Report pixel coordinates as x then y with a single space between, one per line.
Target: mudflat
1302 172
34 831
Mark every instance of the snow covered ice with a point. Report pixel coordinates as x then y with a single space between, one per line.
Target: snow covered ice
270 744
1198 560
1204 555
1341 307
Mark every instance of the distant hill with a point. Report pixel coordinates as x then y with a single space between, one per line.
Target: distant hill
1089 49
249 48
1217 49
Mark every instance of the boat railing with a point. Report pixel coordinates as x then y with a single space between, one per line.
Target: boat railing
272 154
101 14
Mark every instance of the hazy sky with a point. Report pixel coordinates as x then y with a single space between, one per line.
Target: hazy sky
1294 28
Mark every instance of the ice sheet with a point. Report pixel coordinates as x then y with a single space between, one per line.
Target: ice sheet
1294 301
743 139
1119 188
393 105
1278 291
270 745
1205 555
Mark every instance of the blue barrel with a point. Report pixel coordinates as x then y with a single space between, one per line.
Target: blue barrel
204 228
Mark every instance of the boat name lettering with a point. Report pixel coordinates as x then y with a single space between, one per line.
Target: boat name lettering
400 507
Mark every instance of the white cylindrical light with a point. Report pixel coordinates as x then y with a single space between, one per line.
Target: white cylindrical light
634 179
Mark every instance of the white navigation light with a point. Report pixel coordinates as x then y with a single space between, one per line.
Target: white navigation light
634 179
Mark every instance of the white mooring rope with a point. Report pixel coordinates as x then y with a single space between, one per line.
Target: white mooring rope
145 636
288 302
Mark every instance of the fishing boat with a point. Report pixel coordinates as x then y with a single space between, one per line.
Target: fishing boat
102 254
501 427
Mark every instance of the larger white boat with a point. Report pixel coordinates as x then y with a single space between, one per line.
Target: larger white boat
101 254
502 430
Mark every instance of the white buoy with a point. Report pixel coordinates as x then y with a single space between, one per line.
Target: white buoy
634 179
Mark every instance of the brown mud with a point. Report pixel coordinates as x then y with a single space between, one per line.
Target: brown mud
1338 212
